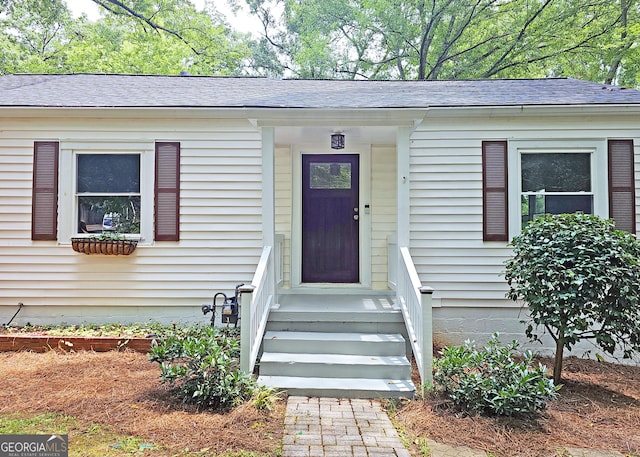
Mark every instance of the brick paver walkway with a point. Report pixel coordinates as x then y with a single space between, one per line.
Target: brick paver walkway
331 427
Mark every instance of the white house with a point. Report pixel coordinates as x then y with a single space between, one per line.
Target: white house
225 180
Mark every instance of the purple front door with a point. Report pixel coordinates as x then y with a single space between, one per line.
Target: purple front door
330 218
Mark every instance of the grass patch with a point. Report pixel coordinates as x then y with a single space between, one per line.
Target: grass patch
96 440
39 424
91 440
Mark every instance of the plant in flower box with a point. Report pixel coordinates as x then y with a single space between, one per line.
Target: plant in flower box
106 243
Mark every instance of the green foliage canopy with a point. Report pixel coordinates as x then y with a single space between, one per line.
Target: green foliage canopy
40 36
341 39
579 277
447 39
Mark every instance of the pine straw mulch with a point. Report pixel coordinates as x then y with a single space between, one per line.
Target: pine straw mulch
122 390
598 408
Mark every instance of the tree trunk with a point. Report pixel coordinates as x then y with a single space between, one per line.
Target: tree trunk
624 44
557 363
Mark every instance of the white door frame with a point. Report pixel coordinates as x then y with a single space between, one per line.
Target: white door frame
362 150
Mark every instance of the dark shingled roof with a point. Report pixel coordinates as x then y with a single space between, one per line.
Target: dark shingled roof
138 91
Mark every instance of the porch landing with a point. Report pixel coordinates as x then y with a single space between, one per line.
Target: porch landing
342 344
345 300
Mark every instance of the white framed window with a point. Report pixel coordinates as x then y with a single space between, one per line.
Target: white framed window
556 177
106 188
522 179
108 193
555 183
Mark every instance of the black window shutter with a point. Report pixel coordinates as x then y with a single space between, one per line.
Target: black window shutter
622 194
495 225
167 192
44 203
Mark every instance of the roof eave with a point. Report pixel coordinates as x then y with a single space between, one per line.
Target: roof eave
274 116
264 116
533 110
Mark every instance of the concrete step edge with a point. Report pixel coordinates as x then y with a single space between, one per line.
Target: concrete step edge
344 384
380 338
333 359
335 316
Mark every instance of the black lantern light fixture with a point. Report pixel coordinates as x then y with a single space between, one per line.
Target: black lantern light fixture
337 141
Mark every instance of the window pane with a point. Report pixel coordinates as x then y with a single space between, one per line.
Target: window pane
109 173
556 172
330 176
537 205
98 214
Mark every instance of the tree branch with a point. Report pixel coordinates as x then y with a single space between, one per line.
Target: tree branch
109 6
545 57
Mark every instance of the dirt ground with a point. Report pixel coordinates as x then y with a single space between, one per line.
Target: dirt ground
599 407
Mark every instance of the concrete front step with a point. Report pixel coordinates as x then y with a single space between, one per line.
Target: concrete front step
334 365
334 312
336 326
389 344
336 344
340 387
335 321
345 315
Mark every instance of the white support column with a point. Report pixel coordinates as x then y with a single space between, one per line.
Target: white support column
269 195
268 186
426 293
403 153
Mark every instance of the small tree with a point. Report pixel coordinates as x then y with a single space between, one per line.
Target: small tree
580 278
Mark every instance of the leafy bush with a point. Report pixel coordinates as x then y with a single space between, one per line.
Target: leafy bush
579 278
492 381
202 363
265 398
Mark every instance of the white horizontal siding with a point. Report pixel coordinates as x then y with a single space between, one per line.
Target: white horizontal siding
221 219
383 210
446 198
15 176
283 206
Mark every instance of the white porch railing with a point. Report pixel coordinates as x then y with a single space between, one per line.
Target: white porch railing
255 302
415 301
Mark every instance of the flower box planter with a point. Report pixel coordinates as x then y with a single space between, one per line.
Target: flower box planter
104 247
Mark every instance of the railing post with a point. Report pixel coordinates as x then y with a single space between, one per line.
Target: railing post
426 293
246 298
392 262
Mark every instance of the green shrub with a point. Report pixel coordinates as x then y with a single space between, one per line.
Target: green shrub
578 277
493 380
202 363
265 398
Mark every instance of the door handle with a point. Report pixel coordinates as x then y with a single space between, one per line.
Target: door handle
356 217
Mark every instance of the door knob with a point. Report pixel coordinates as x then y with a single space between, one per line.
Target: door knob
356 217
